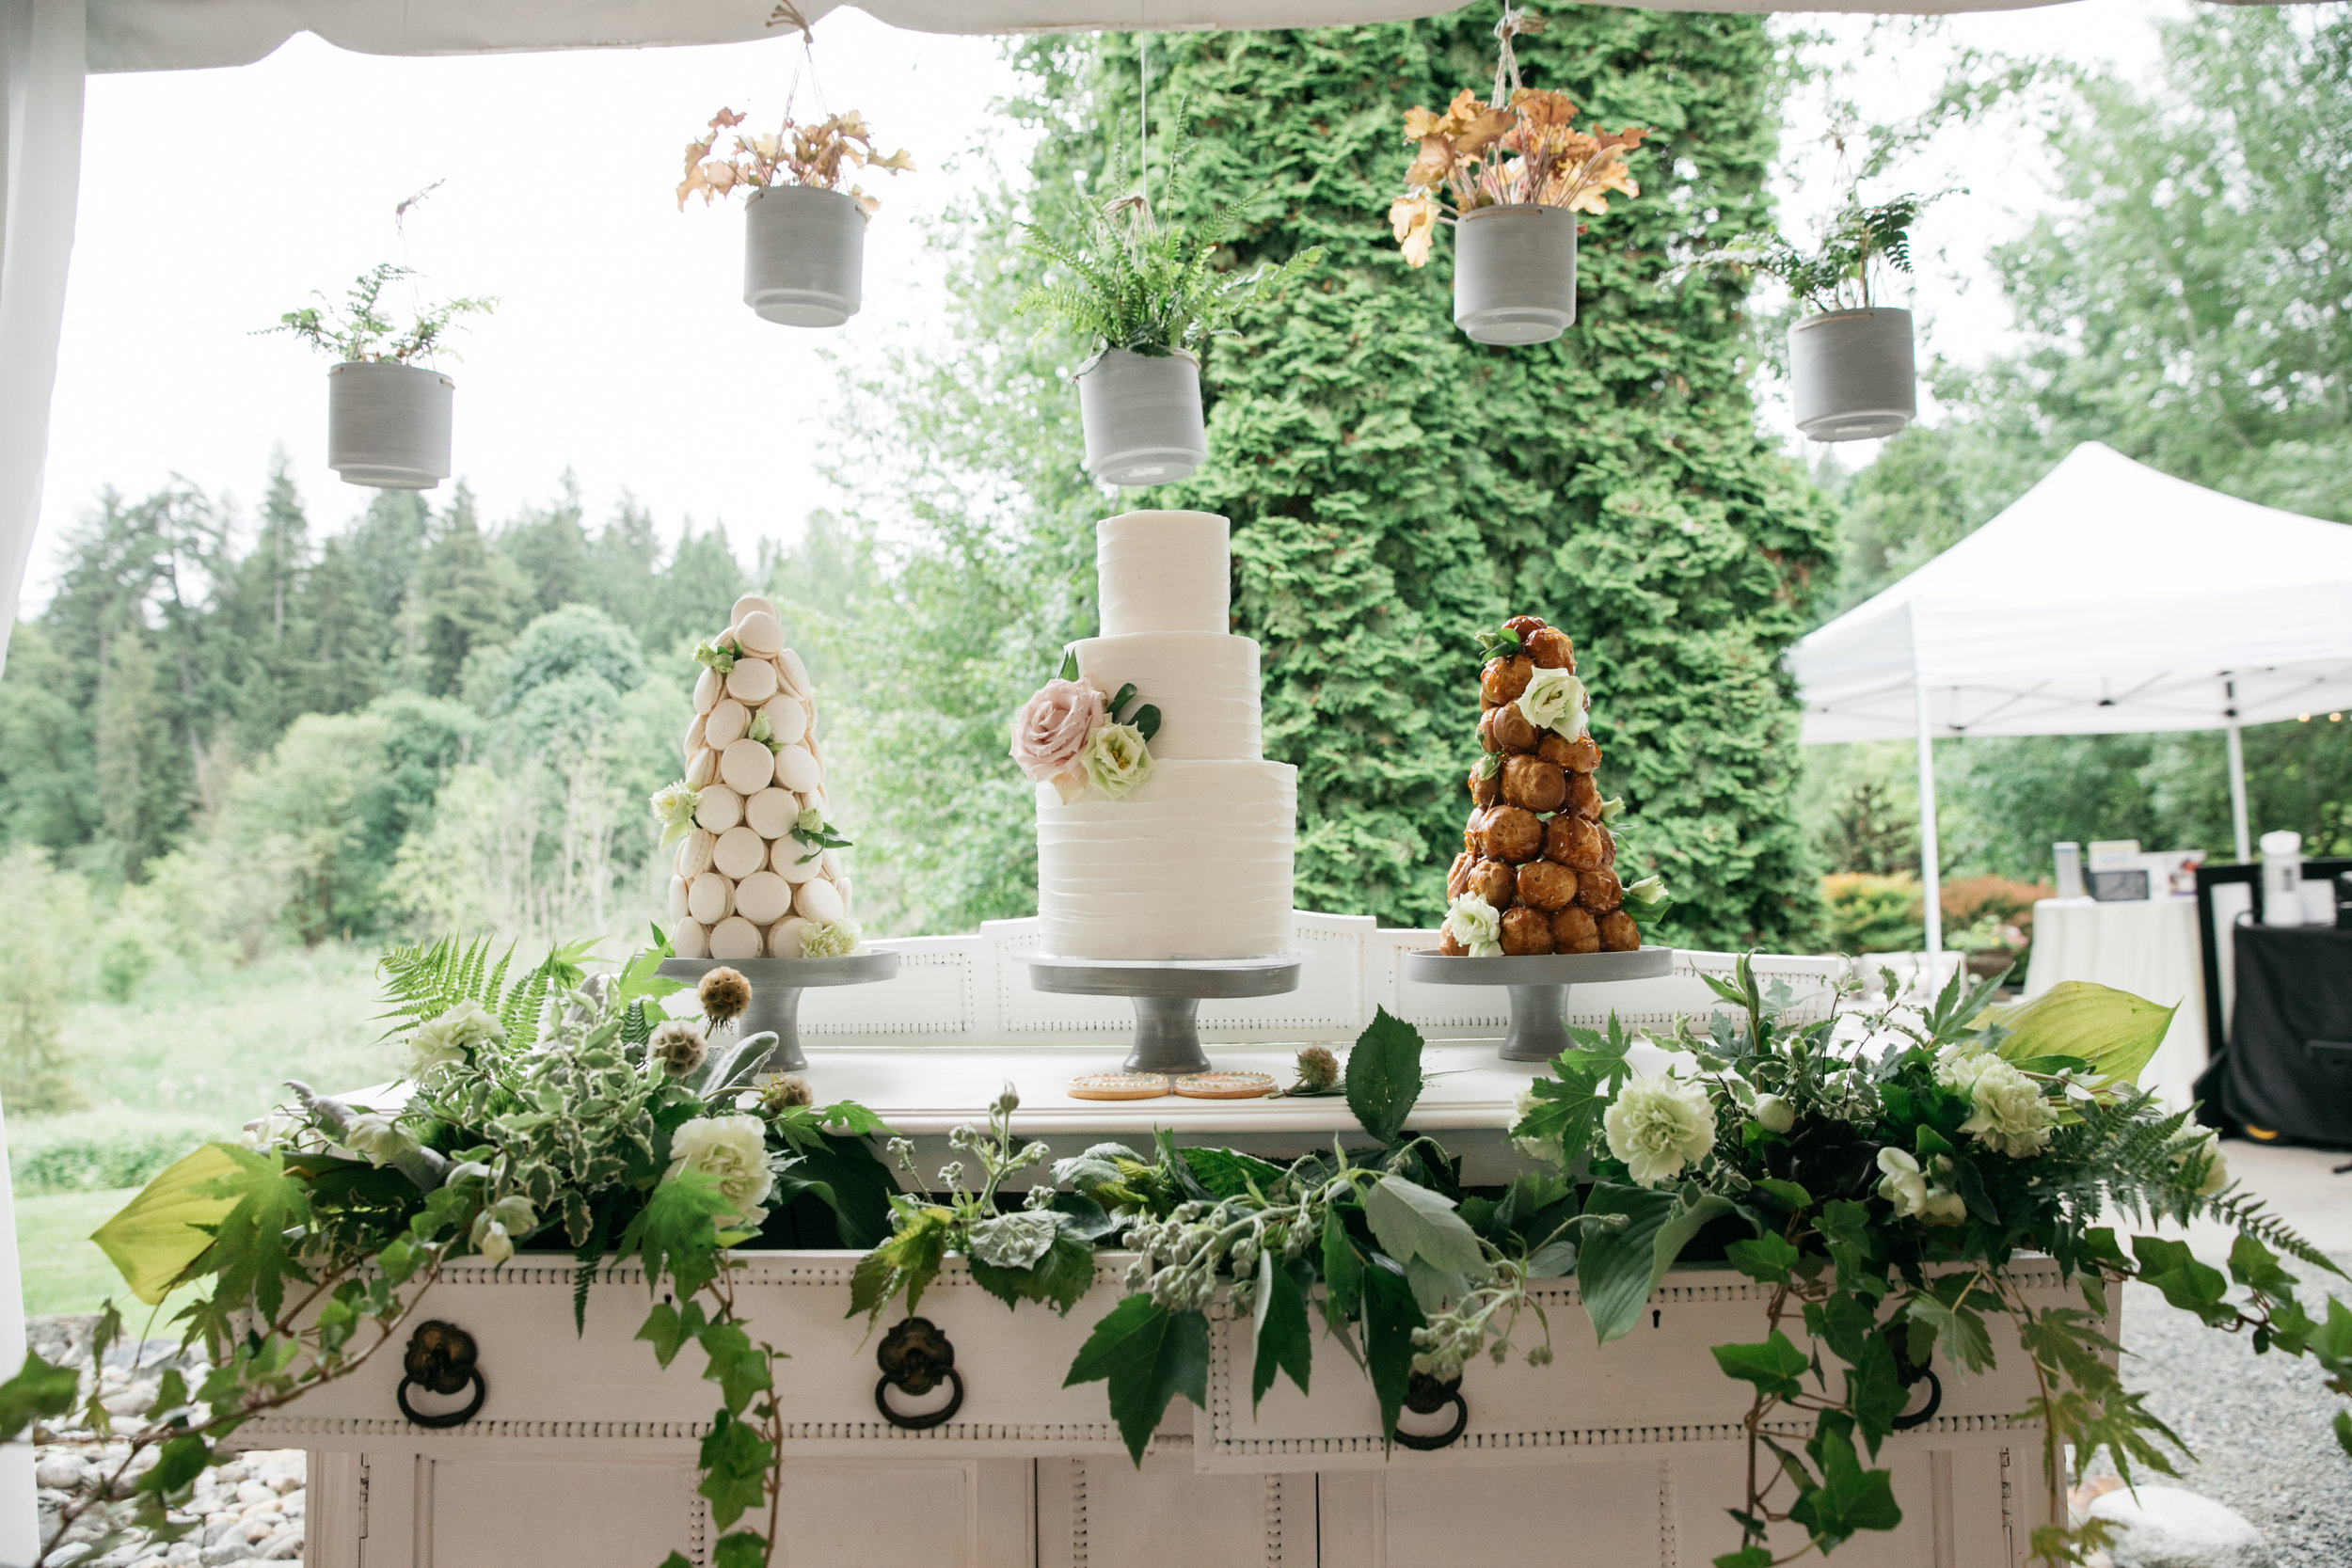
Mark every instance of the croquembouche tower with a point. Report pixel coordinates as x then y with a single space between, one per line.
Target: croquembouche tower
1538 869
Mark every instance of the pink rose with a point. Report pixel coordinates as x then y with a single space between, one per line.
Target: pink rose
1050 733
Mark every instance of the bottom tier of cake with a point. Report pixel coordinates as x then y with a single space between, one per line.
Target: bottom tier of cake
1195 864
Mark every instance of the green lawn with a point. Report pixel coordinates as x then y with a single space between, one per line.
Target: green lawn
191 1056
64 1271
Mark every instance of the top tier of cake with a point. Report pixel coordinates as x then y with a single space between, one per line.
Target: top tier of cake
1163 571
1163 581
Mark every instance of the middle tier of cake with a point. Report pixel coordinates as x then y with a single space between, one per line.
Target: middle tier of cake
1194 864
1204 684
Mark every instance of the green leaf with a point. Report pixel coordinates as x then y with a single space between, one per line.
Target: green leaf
1875 1391
907 1262
1746 1557
741 1549
1069 663
677 1232
36 1392
1618 1270
2116 1032
1342 1273
2192 1286
1391 1316
735 1465
1960 1330
1842 1321
1788 1192
1384 1076
1283 1342
667 1329
1846 1228
2256 1266
1411 1222
1768 1259
1776 1365
249 1250
737 1366
1850 1499
1148 1354
1228 1174
1064 1274
155 1236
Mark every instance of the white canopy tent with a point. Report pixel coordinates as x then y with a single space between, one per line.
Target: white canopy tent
47 46
2108 600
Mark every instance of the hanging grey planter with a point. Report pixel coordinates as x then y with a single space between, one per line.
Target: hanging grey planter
1515 274
387 424
1851 375
1142 416
804 253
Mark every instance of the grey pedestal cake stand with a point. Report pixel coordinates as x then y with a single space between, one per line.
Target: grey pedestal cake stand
776 987
1539 988
1168 997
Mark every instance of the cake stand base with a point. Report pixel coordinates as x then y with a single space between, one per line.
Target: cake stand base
776 987
1167 997
1539 989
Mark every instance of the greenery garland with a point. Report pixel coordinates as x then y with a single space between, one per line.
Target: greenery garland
1879 1168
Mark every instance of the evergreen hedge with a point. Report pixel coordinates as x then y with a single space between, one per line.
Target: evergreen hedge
1395 487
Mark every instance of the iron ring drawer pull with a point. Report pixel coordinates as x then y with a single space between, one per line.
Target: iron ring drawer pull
915 1357
440 1358
1425 1395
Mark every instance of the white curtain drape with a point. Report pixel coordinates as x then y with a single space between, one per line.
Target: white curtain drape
41 58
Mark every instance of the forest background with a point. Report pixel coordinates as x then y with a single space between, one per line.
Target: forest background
239 750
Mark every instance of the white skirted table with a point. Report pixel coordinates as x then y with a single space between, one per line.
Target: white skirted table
2147 947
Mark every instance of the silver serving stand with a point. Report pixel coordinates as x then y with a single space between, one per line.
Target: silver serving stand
1168 997
1539 988
776 987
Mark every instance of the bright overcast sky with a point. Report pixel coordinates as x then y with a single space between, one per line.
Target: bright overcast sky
214 200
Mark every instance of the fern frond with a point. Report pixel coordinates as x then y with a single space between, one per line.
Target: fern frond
2250 1216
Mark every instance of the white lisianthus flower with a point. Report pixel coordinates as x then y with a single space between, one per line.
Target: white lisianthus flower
263 1133
674 807
2010 1116
454 1037
1906 1185
1476 924
1659 1125
2199 1155
733 1150
1117 760
377 1139
1014 1241
1774 1114
1554 701
496 1227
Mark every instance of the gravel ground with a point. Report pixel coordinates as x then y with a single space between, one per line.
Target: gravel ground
2258 1425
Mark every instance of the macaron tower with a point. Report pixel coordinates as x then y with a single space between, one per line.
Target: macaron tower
758 871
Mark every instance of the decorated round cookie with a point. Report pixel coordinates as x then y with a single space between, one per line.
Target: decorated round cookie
1224 1086
1118 1086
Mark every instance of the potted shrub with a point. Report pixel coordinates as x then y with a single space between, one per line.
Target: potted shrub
1513 172
387 417
1851 372
803 235
1149 296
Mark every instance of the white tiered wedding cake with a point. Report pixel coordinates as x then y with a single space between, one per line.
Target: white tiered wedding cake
1194 861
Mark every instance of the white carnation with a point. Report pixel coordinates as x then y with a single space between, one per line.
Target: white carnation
454 1037
2010 1115
1660 1124
733 1149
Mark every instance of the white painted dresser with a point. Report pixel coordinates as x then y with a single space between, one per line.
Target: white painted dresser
583 1451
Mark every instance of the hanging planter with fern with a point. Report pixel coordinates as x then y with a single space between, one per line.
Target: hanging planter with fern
1150 296
388 419
1852 372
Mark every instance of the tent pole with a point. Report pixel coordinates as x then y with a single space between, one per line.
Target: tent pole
1930 857
2237 779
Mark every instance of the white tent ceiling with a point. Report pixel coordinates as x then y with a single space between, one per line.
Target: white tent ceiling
2108 600
164 35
